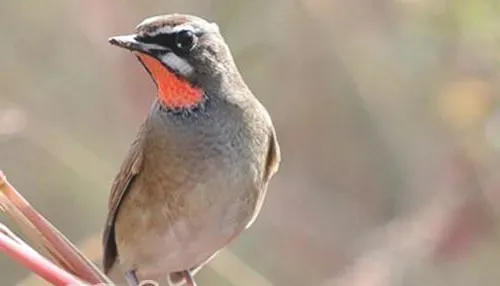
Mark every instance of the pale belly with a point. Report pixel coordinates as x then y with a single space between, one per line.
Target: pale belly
187 241
181 247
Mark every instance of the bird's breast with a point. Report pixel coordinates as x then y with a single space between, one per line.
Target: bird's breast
200 188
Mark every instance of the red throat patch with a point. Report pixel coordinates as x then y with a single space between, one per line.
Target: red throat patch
173 91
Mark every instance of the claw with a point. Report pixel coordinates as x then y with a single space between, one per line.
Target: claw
131 277
189 278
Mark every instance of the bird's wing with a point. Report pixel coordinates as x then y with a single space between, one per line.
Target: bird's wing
273 157
130 168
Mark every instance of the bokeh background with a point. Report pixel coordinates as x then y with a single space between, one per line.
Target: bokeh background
387 113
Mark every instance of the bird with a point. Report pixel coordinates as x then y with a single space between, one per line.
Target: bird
197 172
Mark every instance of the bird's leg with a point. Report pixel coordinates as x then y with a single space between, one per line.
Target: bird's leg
189 278
131 277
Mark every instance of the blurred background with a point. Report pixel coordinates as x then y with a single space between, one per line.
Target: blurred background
387 113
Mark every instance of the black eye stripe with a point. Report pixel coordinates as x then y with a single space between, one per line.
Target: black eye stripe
166 40
180 43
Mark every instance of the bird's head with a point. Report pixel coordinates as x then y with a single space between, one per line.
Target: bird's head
186 57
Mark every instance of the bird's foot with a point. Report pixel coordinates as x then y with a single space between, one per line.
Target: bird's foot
181 278
131 277
189 278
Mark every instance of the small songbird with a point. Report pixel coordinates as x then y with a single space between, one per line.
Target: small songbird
197 172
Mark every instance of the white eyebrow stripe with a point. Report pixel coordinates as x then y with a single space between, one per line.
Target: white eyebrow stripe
173 30
178 64
213 27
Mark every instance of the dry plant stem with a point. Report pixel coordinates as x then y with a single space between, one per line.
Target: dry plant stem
25 255
5 230
65 252
26 227
30 231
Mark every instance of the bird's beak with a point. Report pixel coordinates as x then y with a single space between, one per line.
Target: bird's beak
130 42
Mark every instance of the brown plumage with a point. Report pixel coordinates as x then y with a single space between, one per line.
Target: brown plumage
197 172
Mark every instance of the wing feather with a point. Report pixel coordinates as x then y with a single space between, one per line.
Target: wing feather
273 157
129 170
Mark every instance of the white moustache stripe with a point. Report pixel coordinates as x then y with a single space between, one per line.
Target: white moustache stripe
178 64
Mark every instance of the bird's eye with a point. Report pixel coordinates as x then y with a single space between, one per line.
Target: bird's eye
185 40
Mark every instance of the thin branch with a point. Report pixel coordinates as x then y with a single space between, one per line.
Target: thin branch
14 247
54 242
